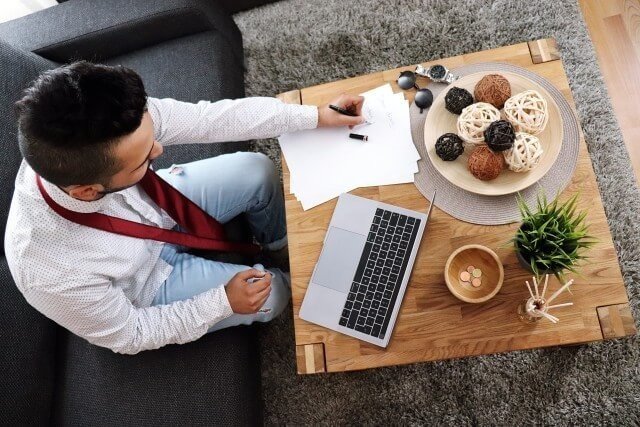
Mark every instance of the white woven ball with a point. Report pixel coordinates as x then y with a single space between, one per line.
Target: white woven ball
473 121
527 111
525 153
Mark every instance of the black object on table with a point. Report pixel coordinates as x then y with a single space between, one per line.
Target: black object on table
423 98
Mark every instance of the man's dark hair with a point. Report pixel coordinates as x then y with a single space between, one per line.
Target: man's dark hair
71 118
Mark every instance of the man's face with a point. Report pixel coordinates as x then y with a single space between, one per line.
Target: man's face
134 153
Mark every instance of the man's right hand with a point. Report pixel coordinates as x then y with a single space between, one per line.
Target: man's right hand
245 297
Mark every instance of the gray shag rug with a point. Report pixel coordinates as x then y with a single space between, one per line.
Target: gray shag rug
293 44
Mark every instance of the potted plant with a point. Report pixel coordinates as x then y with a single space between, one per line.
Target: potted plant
553 239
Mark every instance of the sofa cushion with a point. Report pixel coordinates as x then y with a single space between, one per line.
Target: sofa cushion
27 338
95 30
28 341
212 381
191 68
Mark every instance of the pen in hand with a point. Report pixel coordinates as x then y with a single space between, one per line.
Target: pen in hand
346 112
342 110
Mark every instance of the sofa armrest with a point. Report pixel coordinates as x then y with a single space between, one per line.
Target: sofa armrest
96 30
214 381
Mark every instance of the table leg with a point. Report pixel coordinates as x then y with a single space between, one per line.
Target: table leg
310 358
543 50
616 321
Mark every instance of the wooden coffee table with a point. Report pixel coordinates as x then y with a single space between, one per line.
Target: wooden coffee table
432 323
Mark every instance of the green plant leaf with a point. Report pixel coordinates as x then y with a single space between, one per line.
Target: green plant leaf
555 236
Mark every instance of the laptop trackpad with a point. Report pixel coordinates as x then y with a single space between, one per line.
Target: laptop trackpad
339 259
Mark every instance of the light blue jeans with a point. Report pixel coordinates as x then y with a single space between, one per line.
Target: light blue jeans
227 186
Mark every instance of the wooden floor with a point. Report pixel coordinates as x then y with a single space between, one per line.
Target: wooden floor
614 26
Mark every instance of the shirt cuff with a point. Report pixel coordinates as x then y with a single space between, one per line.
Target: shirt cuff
302 117
215 306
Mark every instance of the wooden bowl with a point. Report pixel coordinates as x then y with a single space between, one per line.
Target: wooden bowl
480 257
440 121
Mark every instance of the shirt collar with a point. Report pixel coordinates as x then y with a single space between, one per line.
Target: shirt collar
66 201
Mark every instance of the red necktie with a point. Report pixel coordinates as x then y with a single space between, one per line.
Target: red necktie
204 232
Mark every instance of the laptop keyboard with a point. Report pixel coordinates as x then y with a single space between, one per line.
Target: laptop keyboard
380 272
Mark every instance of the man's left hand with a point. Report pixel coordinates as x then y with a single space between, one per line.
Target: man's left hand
353 104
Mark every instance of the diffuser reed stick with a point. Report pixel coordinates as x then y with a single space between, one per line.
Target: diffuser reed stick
537 307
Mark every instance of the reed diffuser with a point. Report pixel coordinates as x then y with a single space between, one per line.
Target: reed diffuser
537 306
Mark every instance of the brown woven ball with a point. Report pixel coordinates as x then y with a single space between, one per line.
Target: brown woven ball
484 164
493 89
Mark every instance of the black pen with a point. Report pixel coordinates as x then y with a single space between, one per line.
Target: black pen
348 113
342 110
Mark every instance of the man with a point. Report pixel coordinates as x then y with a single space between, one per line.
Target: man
88 134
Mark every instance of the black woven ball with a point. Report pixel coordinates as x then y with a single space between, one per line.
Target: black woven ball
500 135
457 99
449 146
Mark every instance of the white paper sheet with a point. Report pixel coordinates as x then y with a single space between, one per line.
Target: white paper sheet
325 162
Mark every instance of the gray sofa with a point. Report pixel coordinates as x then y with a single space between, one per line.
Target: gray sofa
185 49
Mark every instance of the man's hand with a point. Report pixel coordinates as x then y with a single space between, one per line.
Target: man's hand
327 117
245 297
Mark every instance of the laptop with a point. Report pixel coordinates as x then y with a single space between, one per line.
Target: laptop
359 280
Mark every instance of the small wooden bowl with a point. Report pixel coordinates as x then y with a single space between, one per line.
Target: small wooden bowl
480 257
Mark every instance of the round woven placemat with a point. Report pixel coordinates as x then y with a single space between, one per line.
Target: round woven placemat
494 210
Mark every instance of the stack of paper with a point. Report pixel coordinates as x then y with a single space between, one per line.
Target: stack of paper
324 163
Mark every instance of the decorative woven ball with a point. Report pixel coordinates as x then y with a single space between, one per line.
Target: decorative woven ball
527 112
525 154
457 99
449 146
500 135
474 120
493 89
484 164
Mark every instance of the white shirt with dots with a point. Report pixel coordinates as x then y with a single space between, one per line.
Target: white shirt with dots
100 285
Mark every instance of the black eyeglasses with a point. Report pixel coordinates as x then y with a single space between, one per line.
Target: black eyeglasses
424 97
